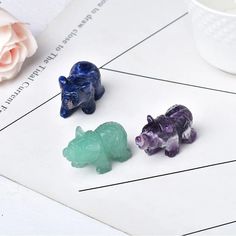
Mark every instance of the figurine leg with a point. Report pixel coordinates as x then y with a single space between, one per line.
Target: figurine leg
125 155
189 135
76 165
65 112
89 107
172 146
103 165
152 151
99 92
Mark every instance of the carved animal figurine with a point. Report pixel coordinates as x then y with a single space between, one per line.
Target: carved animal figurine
167 131
99 148
81 89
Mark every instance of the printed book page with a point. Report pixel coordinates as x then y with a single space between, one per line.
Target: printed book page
148 63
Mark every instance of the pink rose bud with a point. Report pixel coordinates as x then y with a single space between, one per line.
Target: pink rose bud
16 44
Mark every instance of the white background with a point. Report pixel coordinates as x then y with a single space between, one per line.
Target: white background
175 204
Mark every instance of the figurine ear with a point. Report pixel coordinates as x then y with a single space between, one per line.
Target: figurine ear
150 119
62 81
79 132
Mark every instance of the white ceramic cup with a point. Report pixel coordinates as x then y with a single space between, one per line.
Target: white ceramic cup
214 28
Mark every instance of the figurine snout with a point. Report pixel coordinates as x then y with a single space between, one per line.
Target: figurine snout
141 141
65 152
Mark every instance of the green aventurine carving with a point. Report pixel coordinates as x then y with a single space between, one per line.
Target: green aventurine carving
99 148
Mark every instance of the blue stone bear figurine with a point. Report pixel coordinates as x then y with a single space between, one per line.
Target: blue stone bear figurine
81 89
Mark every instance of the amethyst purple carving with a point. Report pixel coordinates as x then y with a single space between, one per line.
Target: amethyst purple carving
81 89
167 131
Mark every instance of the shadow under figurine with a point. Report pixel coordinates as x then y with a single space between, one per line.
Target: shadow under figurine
81 89
99 148
167 131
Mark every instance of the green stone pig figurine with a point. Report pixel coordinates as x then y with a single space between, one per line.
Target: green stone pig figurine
99 148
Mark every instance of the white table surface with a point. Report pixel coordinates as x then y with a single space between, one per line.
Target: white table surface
22 211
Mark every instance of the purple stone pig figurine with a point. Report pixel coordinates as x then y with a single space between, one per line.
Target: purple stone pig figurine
167 131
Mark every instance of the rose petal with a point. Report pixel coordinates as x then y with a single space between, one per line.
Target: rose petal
30 42
6 18
23 52
14 37
19 32
5 35
12 73
6 48
6 58
16 43
15 53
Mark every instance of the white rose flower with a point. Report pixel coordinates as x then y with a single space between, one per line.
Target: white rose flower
16 44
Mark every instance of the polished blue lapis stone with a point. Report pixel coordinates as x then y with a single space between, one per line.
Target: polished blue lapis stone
80 89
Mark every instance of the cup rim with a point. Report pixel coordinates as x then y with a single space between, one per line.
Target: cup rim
196 2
